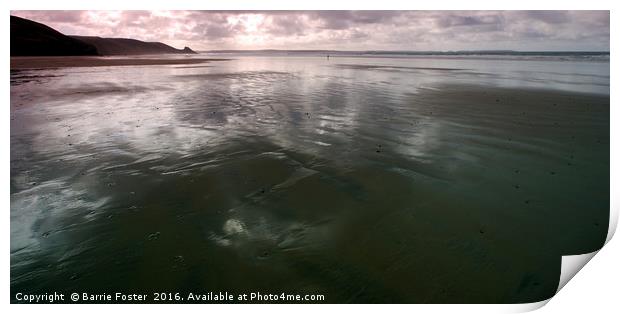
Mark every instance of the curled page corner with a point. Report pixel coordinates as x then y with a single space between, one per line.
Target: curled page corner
571 264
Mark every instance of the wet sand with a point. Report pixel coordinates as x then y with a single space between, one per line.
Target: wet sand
64 62
237 178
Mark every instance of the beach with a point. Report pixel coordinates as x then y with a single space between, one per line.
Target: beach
367 180
20 63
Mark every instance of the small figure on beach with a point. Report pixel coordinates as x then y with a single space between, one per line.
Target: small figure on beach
327 57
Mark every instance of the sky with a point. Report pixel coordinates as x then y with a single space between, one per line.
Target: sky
343 30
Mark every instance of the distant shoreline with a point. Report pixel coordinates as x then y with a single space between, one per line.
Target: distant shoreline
589 56
420 53
19 63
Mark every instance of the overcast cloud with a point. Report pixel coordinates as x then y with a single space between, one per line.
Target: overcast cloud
343 30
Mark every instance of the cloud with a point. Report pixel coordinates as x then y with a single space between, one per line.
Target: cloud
285 25
549 17
458 20
345 19
346 30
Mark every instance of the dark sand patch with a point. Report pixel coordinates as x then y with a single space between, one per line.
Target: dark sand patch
21 77
65 62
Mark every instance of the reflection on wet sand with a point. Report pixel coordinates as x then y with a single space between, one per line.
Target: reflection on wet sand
258 175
